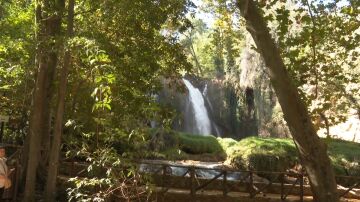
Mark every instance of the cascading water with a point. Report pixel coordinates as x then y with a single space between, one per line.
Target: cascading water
205 91
202 121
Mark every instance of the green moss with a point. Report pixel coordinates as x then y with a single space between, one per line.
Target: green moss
270 154
197 144
258 153
172 154
345 157
275 154
178 145
226 143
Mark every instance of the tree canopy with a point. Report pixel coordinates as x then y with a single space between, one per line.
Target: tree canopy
114 57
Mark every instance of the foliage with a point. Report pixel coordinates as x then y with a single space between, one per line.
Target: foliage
319 42
120 52
16 58
214 48
108 177
118 60
125 56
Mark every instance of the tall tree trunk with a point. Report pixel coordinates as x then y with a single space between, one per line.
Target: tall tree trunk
49 26
311 149
50 190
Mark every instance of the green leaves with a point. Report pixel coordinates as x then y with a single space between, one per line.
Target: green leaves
121 51
319 50
102 96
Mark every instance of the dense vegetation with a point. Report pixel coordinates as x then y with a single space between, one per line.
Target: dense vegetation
79 78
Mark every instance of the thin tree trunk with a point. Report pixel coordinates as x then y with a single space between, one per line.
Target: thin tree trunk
193 53
50 190
25 150
312 150
49 28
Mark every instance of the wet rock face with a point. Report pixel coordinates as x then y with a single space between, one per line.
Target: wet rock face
259 99
234 111
214 96
240 105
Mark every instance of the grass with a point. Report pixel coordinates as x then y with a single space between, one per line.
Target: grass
345 157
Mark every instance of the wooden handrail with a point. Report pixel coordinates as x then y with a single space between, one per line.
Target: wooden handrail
239 170
247 177
252 192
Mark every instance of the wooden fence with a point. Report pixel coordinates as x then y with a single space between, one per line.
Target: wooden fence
283 184
275 182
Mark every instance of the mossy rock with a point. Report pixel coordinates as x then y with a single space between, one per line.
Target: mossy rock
257 153
263 154
197 144
174 145
277 154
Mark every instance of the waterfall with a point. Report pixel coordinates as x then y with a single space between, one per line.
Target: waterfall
202 121
205 92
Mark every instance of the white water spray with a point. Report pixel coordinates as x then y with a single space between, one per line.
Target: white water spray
202 120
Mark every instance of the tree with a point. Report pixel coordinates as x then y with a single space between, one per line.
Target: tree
16 65
121 51
311 149
318 42
48 19
50 190
192 33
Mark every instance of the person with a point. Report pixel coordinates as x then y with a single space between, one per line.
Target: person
4 171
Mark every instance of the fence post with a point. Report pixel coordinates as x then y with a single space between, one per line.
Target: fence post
251 184
225 183
163 176
282 176
192 181
301 187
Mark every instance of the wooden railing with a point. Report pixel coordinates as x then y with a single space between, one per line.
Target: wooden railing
246 183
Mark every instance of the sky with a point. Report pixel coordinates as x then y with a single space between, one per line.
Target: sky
209 19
